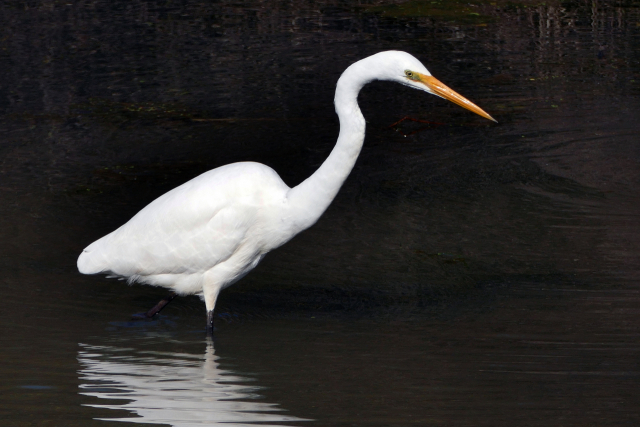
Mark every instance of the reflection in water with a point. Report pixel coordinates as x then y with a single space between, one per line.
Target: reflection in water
172 388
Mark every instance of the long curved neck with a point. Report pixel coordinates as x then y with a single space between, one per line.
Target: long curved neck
313 196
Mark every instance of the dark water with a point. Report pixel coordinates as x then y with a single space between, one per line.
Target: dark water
468 273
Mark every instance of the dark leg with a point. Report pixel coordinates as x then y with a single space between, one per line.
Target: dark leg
157 308
210 322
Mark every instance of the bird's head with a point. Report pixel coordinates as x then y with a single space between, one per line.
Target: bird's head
405 69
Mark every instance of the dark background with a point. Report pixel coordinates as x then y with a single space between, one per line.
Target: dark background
468 273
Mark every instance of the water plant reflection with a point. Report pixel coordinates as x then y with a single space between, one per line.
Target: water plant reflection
178 389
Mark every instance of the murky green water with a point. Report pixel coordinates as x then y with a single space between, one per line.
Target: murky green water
468 273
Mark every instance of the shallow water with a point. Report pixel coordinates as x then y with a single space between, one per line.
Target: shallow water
468 273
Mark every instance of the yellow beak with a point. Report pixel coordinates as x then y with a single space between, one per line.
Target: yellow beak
445 92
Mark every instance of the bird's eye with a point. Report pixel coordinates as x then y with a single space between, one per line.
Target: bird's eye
410 74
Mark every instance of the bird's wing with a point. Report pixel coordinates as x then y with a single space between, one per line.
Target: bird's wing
187 230
177 247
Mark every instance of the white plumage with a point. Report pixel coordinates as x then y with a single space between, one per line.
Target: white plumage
208 233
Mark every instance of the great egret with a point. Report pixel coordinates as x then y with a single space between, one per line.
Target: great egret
206 234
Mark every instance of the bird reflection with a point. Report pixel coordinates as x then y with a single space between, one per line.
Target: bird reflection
177 389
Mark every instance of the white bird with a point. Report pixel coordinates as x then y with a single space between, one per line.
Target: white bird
206 234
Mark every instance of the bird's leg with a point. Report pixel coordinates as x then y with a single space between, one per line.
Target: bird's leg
159 306
156 308
210 323
210 291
